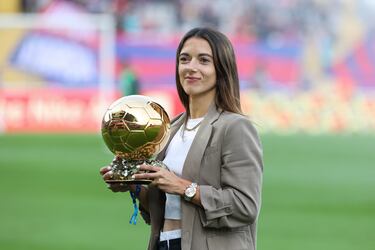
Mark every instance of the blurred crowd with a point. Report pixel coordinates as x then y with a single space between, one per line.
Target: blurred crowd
325 31
262 19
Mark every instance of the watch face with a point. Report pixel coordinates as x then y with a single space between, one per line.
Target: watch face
190 192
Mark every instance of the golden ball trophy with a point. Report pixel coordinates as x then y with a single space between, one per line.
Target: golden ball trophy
135 129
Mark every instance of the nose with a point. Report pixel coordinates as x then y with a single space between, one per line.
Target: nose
192 65
193 70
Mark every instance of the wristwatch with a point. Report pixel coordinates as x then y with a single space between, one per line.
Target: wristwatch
190 191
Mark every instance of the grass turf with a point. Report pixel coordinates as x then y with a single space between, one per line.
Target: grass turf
318 194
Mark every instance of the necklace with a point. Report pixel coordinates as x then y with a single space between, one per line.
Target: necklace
193 128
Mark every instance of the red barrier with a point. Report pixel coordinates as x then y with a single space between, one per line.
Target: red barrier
62 110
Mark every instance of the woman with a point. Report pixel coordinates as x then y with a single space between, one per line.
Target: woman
210 196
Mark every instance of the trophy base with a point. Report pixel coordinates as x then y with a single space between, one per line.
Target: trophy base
129 182
124 169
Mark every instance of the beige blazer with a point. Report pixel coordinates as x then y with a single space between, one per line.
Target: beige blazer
225 159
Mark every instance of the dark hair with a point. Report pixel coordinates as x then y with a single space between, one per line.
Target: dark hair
227 83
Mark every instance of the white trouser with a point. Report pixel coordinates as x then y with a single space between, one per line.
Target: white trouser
170 235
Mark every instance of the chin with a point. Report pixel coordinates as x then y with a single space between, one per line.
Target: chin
188 90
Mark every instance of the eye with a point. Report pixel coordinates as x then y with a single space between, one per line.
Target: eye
204 60
183 59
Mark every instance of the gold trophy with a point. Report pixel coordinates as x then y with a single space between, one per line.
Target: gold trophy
135 129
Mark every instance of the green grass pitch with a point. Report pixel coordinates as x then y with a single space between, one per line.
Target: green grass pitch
318 193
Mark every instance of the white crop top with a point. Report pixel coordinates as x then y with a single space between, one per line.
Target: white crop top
175 158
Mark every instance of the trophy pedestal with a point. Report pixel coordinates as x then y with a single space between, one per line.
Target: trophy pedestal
123 170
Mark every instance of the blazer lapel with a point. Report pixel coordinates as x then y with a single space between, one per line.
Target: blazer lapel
191 169
194 157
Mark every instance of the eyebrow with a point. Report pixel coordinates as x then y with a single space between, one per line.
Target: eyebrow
201 54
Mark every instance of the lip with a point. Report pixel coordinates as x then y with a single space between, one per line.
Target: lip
191 79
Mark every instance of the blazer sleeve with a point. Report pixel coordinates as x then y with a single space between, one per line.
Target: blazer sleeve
237 202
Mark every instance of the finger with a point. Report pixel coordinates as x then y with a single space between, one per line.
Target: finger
114 187
149 168
146 176
105 169
122 187
155 182
108 175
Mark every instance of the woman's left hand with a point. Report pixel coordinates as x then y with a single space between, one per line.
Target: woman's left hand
164 179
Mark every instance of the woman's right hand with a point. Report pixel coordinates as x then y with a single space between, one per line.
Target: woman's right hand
107 174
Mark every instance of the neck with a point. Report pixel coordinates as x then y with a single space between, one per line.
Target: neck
198 106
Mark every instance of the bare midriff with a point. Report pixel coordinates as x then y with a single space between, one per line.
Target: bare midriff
170 225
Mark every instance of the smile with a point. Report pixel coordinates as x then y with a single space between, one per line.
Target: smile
192 79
